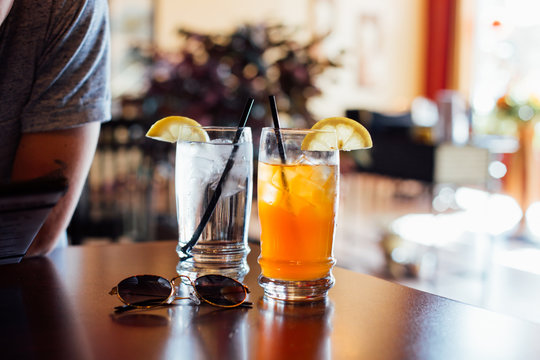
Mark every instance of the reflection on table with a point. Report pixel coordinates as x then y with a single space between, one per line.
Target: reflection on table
37 315
389 228
64 310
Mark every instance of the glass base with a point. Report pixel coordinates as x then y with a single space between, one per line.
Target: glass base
296 291
220 258
193 269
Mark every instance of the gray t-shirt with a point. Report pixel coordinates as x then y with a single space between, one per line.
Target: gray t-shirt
54 69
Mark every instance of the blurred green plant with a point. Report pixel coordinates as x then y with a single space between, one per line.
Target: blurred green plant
511 113
211 76
519 110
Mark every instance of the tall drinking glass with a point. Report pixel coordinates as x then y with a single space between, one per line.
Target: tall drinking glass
222 246
298 203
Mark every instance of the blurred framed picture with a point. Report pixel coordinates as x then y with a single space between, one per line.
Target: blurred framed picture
132 32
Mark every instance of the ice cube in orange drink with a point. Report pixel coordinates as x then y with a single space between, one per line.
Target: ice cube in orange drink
297 206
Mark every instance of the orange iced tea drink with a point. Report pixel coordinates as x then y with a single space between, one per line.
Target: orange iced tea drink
297 210
298 180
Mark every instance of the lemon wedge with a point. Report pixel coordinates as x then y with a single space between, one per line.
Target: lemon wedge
173 128
351 135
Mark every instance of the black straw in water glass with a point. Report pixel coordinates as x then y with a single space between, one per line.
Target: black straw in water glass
186 249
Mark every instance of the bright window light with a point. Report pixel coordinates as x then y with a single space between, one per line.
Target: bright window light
497 169
532 217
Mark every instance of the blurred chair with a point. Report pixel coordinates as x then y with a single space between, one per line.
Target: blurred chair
394 153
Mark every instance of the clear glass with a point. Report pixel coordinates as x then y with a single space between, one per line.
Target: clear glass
298 203
222 247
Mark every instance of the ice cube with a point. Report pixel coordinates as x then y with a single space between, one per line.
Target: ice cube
279 177
304 160
189 164
269 194
221 141
218 156
297 204
312 183
238 173
321 174
235 183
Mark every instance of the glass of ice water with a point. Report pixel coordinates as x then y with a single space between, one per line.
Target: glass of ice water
214 207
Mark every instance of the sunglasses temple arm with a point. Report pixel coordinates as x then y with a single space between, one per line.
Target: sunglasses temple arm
123 308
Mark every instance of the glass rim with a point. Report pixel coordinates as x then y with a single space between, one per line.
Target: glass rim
219 128
245 135
298 131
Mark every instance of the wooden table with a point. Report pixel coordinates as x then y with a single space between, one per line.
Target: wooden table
59 308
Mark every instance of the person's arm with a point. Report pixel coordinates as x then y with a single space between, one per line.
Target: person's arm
41 153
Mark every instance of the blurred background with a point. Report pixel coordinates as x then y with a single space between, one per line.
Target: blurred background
447 200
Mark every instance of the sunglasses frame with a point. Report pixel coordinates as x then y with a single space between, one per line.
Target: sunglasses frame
199 297
171 297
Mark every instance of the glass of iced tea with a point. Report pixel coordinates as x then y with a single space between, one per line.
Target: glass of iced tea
298 204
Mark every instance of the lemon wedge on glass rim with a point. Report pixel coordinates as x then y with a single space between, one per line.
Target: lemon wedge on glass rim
351 135
173 128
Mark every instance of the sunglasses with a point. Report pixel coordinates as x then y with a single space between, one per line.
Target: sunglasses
147 291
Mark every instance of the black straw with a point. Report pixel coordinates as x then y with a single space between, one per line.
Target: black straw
186 249
281 149
275 117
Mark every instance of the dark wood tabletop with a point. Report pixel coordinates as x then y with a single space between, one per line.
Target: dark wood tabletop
58 307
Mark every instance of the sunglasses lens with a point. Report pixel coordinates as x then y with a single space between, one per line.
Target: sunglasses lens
220 290
144 289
